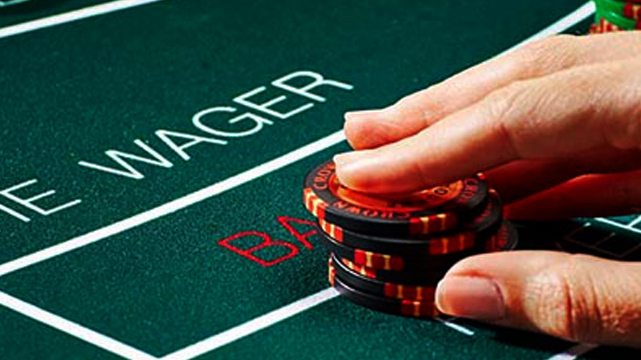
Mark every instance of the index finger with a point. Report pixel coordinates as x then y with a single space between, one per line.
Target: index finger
373 128
562 114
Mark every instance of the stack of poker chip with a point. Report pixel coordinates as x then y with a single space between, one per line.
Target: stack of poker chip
616 15
388 252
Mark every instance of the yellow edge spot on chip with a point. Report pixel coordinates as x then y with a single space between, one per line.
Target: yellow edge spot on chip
443 219
327 227
332 230
311 202
462 243
316 204
445 246
426 224
306 199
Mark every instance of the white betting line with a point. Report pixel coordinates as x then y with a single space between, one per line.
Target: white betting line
252 326
618 225
173 206
73 329
71 16
563 24
574 352
460 328
635 222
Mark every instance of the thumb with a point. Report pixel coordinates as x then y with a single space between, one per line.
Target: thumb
576 297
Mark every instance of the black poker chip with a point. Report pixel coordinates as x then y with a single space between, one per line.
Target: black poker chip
394 306
466 238
391 290
393 262
429 211
506 239
408 278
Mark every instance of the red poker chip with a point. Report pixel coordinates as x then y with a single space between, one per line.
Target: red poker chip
429 211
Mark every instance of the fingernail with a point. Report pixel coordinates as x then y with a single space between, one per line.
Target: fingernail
470 297
343 161
361 115
350 168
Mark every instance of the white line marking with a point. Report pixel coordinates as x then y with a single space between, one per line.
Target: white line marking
20 186
460 328
574 352
14 213
563 24
616 224
4 3
635 222
71 16
73 329
252 326
174 205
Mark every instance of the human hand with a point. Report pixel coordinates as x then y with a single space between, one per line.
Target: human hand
556 126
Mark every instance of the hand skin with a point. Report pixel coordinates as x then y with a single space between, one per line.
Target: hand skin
556 126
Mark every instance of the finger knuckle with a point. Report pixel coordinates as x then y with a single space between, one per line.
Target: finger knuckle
546 54
503 110
417 167
363 134
565 307
587 92
421 105
622 125
502 102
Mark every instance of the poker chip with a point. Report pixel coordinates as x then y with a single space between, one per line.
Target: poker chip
408 262
478 230
394 306
388 253
619 20
628 10
604 26
382 288
410 278
614 15
429 211
392 262
506 239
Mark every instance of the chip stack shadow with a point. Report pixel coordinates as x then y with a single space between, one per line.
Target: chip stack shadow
388 252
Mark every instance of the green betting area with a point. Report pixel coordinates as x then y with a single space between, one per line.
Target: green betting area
151 167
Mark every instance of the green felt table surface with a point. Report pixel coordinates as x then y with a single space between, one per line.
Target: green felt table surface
72 93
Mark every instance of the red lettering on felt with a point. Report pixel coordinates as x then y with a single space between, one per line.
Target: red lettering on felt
285 221
267 241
